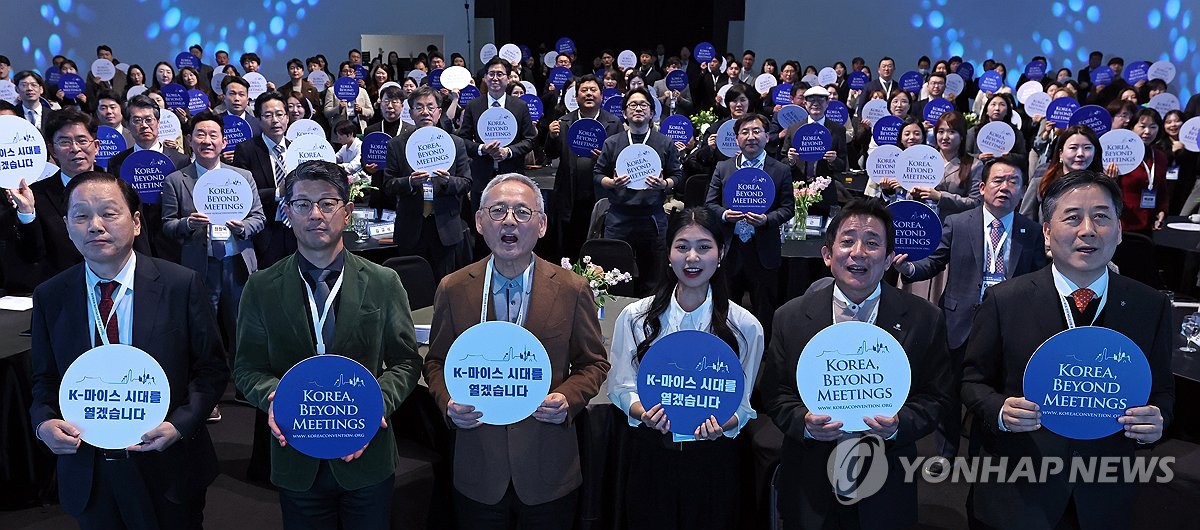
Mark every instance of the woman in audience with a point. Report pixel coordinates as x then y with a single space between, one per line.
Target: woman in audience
1077 147
1144 190
375 79
190 79
164 74
613 80
911 133
136 77
80 102
359 110
301 88
769 67
1122 113
958 190
297 108
999 108
673 466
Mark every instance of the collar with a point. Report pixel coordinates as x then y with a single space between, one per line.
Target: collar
1007 220
271 143
37 109
698 319
1065 286
501 99
157 147
339 263
124 277
839 295
201 170
66 179
499 281
759 161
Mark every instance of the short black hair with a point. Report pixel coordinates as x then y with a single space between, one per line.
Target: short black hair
423 91
391 92
62 118
295 61
127 192
103 48
868 206
263 98
498 60
1095 53
749 117
110 94
142 101
6 106
1079 179
205 115
1115 60
346 127
4 60
645 93
318 170
231 79
249 57
748 52
196 47
588 78
20 76
1017 162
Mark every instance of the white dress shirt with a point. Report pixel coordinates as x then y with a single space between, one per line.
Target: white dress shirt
123 298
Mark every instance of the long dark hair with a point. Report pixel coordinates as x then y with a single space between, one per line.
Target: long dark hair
709 220
1056 169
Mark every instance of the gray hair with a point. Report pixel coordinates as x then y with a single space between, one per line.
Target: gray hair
514 177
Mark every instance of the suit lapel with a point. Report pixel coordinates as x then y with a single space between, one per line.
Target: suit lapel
75 314
354 287
290 287
893 313
1046 295
147 296
544 299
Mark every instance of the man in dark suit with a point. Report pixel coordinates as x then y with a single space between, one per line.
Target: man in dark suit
206 71
161 482
984 246
1083 229
110 113
816 101
93 86
527 472
30 87
236 92
673 101
937 89
391 103
489 159
262 156
887 66
858 250
574 192
753 260
1084 75
429 206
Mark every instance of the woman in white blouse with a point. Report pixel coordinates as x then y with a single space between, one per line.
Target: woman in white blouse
684 479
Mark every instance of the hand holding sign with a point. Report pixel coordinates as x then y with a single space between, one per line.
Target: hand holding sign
497 373
497 124
812 141
328 406
112 395
1124 148
223 195
917 227
686 379
22 152
749 190
639 162
996 138
430 149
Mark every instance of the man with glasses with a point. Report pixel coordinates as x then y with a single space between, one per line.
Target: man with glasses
885 83
984 246
391 106
262 156
364 315
815 100
524 475
428 205
489 159
30 87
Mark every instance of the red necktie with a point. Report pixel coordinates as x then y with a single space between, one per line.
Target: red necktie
106 309
1083 297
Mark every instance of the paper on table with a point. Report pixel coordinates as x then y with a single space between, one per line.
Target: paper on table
16 303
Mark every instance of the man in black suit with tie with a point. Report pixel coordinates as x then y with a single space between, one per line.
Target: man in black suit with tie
816 101
983 246
262 156
206 71
391 103
887 67
1083 229
153 305
858 249
30 87
429 206
489 159
752 262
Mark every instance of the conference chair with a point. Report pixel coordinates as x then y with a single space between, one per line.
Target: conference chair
610 254
417 277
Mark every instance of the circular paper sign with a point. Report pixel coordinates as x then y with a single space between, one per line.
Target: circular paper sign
8 91
1083 379
564 45
1164 103
1035 70
374 148
678 128
258 84
223 195
919 165
559 75
966 71
693 375
1038 104
499 368
435 79
186 59
910 81
430 149
1136 71
790 114
935 108
114 394
749 190
168 126
764 82
782 94
721 93
990 81
996 137
1102 76
954 84
584 135
569 100
827 76
1061 110
135 90
319 79
146 170
727 139
174 95
111 143
360 72
1162 70
1027 89
837 111
857 80
511 53
812 141
497 124
72 85
853 370
810 79
1189 134
104 69
346 89
53 74
875 109
467 94
1124 148
236 131
456 77
487 52
705 52
887 130
534 104
22 152
303 127
1095 117
918 229
307 148
550 59
328 406
530 90
218 77
677 80
627 59
638 161
613 106
883 162
197 101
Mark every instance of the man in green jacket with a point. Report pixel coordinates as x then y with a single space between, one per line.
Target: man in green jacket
369 321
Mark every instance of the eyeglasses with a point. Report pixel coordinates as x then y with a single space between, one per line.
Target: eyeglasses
496 73
304 206
273 115
520 213
66 143
425 108
142 121
638 105
27 84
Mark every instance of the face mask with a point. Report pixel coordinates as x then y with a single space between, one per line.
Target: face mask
923 71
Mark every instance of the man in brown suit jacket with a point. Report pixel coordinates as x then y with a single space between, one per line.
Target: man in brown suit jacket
526 473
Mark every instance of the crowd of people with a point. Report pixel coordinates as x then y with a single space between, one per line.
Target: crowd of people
1028 241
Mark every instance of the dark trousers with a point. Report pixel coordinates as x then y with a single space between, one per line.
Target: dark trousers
745 273
510 512
645 233
121 497
949 430
573 232
443 259
327 505
681 485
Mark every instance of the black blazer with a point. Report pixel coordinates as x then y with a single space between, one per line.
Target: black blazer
163 246
960 299
377 198
573 180
1015 318
824 168
920 329
447 196
766 237
173 322
483 168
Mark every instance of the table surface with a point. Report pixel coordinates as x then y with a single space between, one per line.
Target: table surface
12 323
1181 239
807 248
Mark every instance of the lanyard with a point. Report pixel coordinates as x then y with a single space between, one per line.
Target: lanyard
629 133
1071 318
526 285
319 320
1150 172
874 310
94 309
887 88
994 252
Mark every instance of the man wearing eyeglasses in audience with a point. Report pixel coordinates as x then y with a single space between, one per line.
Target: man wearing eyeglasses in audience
489 159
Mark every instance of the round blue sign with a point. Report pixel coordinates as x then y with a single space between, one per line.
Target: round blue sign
1095 117
811 141
146 170
935 108
966 71
910 81
187 59
559 75
535 106
565 45
53 74
174 95
613 106
704 52
609 93
374 148
857 80
467 94
782 94
346 89
435 78
1061 110
236 131
585 135
1136 72
887 130
749 190
197 101
360 72
1084 378
72 85
328 406
677 80
990 81
918 229
694 375
526 53
1035 70
678 128
1102 76
111 143
837 111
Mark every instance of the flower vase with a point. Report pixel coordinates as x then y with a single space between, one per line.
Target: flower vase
800 224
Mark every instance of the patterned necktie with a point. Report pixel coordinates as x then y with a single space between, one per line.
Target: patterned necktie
32 116
321 293
998 257
1083 297
280 215
106 311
